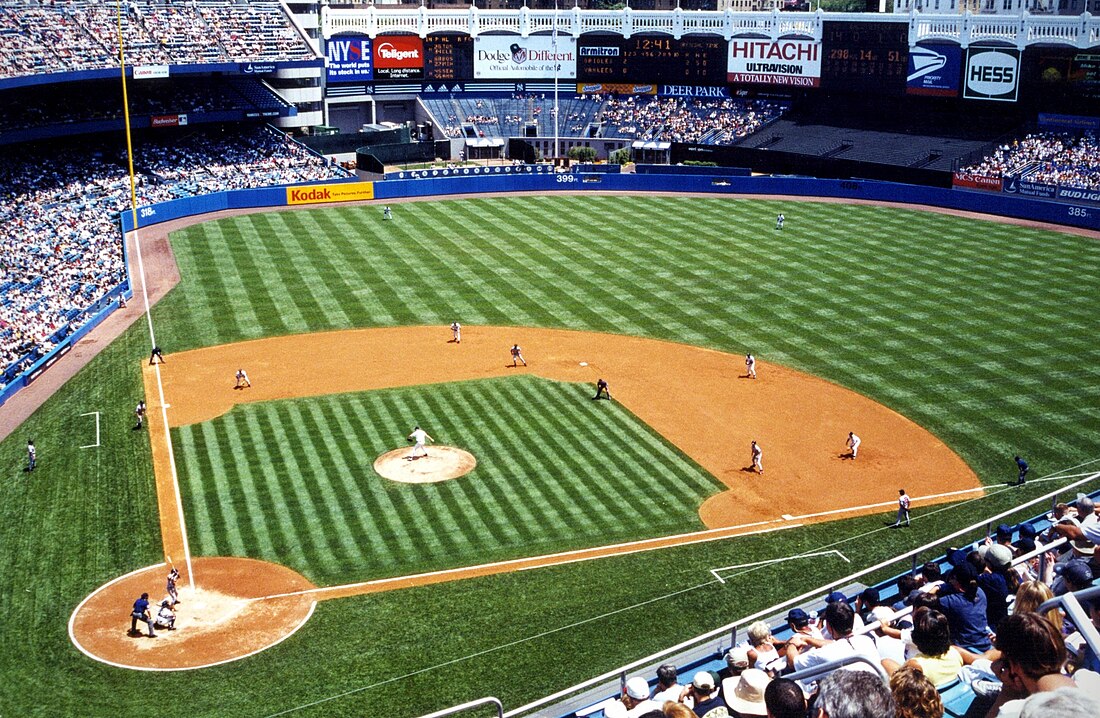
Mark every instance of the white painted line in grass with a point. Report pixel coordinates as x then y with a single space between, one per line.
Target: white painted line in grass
92 446
715 571
557 559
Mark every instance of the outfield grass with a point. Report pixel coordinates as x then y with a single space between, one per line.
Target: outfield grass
983 333
292 481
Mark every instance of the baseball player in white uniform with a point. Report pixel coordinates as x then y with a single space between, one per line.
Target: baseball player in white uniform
903 508
387 213
750 365
418 436
456 331
242 379
517 355
779 220
757 455
853 443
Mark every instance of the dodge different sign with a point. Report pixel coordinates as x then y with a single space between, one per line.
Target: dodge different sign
542 57
781 62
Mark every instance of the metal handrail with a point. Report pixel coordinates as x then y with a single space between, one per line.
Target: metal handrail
779 607
1071 604
488 700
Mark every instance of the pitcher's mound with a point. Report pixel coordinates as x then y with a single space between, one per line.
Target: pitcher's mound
441 464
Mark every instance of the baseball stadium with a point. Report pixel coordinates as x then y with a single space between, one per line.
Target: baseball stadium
531 360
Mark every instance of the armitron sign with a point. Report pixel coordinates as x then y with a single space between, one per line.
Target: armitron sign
319 193
795 63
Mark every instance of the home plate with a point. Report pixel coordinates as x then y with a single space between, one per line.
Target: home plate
441 464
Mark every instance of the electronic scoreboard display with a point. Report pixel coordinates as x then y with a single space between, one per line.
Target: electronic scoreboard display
656 59
865 56
448 57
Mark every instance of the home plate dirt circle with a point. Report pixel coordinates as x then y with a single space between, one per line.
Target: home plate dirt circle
441 464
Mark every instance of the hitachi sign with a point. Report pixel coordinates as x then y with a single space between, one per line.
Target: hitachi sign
798 50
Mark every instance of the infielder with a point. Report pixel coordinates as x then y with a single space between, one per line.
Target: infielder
242 379
418 436
757 455
903 508
173 592
139 412
601 388
456 332
779 220
750 366
517 355
853 443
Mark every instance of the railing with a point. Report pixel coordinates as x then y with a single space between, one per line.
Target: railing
1082 31
814 671
1071 604
488 701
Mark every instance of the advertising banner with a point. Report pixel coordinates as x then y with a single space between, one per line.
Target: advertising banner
1077 194
532 57
967 180
795 63
694 91
149 72
1024 188
934 70
1073 123
349 60
471 171
398 57
614 88
992 73
318 193
165 121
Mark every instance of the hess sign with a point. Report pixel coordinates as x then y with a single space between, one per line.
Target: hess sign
992 74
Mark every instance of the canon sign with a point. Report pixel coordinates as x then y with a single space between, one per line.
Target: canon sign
992 74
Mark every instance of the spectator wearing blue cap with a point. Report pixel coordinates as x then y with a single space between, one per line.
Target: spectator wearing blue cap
801 623
839 618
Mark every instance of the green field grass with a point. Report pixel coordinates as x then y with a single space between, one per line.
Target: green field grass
983 333
292 481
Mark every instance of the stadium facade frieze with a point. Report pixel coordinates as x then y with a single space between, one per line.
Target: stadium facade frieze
140 72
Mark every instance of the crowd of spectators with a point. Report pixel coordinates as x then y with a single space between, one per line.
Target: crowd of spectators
1053 158
61 247
66 36
675 119
645 117
975 626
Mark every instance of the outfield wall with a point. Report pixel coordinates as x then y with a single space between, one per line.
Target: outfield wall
481 182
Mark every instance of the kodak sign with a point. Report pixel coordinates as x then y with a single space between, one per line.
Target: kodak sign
319 193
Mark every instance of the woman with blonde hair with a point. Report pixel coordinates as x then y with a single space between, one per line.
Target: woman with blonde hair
1031 595
672 709
914 694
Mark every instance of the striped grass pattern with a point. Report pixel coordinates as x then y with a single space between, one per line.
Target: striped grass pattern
292 481
983 333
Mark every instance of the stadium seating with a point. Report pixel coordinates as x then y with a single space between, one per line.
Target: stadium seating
1051 158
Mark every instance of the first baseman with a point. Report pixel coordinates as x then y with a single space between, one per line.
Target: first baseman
418 436
757 455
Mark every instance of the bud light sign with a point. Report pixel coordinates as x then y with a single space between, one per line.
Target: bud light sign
992 73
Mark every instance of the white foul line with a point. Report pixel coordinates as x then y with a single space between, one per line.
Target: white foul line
714 571
92 446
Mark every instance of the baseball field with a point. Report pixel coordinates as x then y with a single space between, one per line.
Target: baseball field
978 335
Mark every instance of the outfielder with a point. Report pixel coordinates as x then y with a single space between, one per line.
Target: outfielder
853 442
517 355
903 508
456 332
242 379
387 213
418 436
757 455
750 366
139 412
779 220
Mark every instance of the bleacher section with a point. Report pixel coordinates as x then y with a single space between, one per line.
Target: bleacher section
716 121
58 218
892 148
83 35
1050 158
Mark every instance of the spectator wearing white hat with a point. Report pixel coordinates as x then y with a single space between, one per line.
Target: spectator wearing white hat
705 698
747 697
636 698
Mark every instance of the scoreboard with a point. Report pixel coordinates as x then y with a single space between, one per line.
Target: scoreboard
448 57
651 59
865 56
